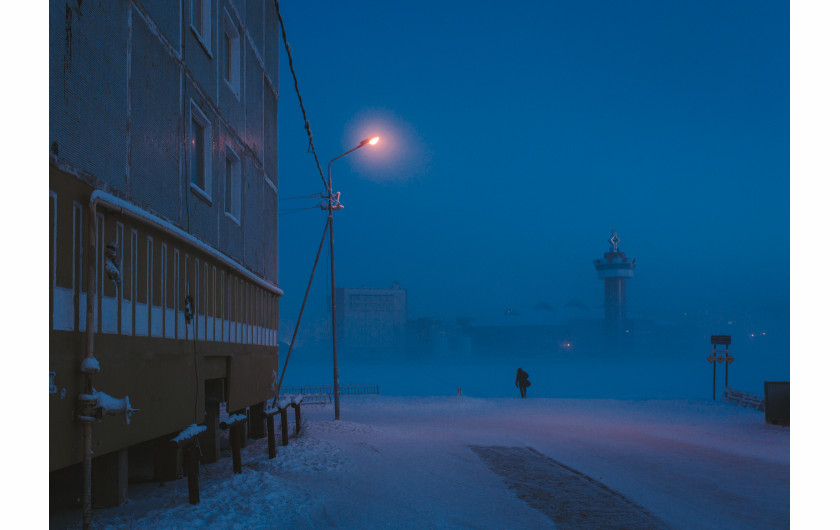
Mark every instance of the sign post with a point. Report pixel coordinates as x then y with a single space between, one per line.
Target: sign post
720 356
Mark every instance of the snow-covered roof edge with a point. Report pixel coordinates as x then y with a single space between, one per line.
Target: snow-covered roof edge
135 211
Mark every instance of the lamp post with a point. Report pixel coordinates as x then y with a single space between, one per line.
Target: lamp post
333 205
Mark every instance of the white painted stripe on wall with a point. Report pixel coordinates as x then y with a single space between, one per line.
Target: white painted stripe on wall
109 314
54 243
126 317
176 292
121 284
63 312
77 254
157 321
171 322
142 319
164 278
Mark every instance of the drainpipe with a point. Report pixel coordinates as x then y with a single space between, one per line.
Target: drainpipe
89 367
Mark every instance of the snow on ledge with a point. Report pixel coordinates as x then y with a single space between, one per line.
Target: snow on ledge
135 211
189 432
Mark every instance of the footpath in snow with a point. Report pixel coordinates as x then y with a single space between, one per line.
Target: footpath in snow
461 462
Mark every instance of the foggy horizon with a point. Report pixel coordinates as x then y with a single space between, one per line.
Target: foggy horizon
515 140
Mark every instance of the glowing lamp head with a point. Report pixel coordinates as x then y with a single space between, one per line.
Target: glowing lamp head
374 140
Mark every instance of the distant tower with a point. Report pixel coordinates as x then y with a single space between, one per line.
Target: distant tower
614 269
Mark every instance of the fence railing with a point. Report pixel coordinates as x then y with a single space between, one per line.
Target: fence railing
743 399
357 390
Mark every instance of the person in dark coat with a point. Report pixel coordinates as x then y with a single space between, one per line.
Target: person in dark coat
522 381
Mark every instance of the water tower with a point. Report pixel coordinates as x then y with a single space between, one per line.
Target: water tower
615 269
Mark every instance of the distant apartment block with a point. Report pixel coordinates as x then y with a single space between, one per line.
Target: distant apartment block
371 320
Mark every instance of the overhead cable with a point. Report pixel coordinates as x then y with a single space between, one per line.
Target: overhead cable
300 99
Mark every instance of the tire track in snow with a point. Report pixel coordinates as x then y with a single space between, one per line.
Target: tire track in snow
568 497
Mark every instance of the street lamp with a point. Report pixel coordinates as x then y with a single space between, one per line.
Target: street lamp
333 205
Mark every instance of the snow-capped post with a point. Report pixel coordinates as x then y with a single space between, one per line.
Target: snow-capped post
235 423
269 414
187 441
282 408
296 401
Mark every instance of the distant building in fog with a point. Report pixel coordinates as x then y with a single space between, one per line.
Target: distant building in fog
371 320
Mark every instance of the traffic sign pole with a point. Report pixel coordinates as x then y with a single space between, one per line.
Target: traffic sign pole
725 341
714 378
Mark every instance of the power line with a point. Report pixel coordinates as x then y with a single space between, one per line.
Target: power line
296 210
300 99
301 197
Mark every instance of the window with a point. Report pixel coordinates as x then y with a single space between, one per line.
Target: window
200 152
230 52
233 184
200 22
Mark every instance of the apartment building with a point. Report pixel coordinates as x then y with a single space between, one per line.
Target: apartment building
163 204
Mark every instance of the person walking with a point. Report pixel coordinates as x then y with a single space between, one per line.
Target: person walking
522 381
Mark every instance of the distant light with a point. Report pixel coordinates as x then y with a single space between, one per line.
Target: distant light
374 140
764 333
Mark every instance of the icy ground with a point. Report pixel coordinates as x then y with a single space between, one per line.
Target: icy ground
464 462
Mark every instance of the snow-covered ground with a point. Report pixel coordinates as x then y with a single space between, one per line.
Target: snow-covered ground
416 462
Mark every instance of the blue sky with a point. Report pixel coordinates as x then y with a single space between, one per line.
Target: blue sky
516 136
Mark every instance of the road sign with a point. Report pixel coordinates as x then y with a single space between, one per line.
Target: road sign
730 359
720 358
722 339
710 358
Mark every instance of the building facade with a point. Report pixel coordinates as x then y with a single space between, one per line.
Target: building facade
163 190
371 320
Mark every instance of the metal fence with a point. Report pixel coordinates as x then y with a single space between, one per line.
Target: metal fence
357 390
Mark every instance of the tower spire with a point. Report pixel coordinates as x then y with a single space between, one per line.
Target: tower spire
614 240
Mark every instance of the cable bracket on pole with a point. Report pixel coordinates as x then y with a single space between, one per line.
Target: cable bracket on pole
332 201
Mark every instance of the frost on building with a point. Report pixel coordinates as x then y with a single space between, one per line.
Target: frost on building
371 320
163 134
